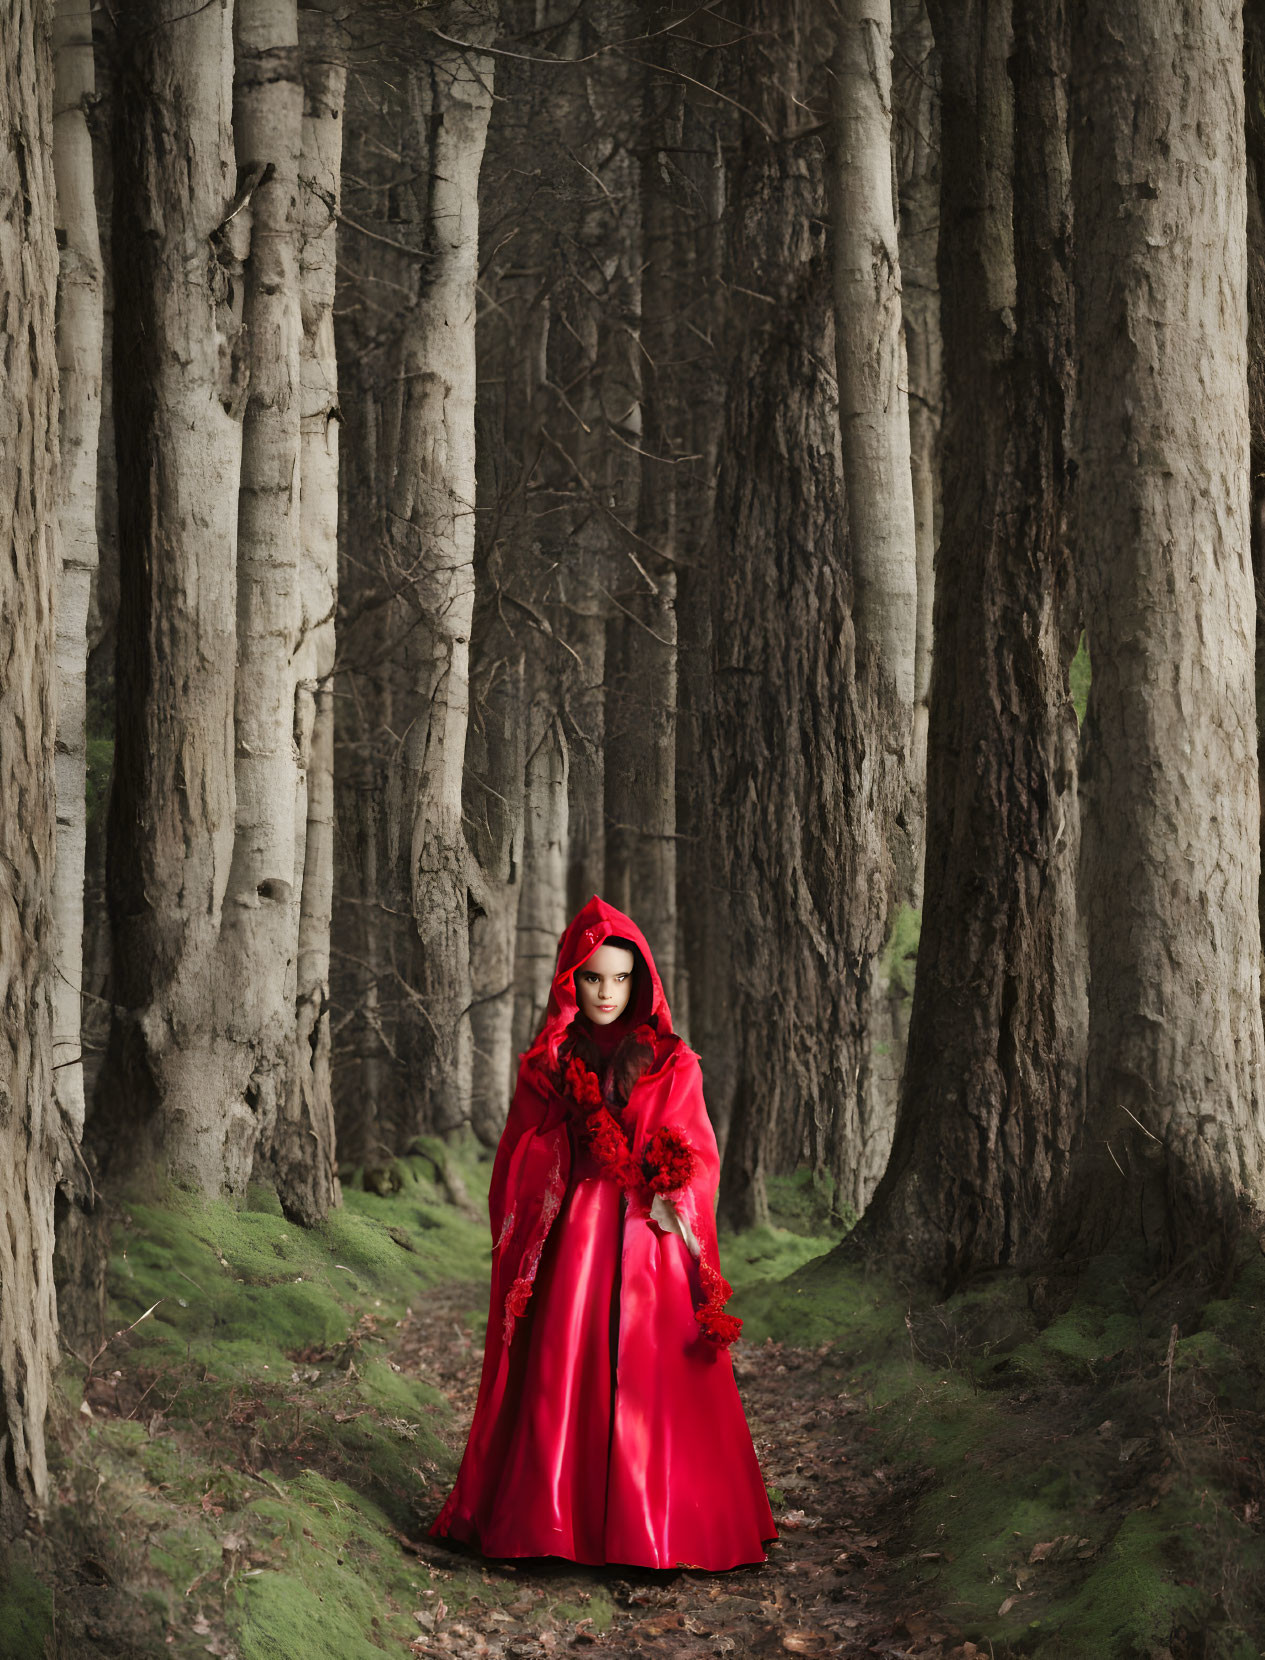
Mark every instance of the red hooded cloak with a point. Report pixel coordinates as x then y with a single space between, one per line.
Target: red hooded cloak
608 1426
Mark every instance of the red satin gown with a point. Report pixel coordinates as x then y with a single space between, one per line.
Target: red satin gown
608 1426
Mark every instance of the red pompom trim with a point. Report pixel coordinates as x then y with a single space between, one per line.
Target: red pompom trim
669 1160
668 1164
584 1087
721 1329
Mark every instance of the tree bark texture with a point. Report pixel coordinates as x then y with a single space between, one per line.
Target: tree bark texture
992 1094
641 783
1254 111
294 518
372 924
1172 850
559 366
311 1103
176 1076
916 141
542 911
30 1137
807 764
694 177
495 767
273 715
870 347
430 532
80 329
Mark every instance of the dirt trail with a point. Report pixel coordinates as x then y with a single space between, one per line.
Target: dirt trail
821 1592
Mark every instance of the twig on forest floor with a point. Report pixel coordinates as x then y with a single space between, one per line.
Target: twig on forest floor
145 1392
255 1476
90 1364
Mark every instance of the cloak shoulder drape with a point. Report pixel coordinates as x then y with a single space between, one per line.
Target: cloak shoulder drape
608 1426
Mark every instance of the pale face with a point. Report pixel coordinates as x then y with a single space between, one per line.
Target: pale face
604 984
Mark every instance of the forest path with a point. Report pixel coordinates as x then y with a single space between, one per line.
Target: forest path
821 1591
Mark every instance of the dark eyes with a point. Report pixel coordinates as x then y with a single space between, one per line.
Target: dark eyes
592 979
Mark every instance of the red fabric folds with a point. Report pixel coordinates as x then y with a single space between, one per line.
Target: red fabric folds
608 1426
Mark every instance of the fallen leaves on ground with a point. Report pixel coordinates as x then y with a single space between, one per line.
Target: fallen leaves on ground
821 1591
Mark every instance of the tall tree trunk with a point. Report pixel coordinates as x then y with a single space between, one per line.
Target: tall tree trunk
702 1004
808 770
542 911
641 754
586 575
29 1133
103 600
79 342
303 1145
375 1145
1254 111
273 727
1172 848
174 1076
916 100
496 749
584 700
992 1092
495 763
430 529
870 348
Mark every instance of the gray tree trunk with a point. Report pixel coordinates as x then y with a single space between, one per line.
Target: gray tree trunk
641 783
1172 854
916 140
542 911
30 1137
303 1143
870 348
430 531
79 344
273 715
175 1087
992 1092
701 1007
495 764
808 755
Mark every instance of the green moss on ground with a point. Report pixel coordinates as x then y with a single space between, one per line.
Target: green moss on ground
26 1610
1079 1478
238 1291
1084 1481
253 1455
801 1228
803 1203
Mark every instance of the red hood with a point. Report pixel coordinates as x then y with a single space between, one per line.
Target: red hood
596 922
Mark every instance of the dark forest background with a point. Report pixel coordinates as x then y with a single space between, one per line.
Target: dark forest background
793 468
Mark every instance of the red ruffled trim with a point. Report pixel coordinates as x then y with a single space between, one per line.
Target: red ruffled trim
584 1087
601 1133
519 1294
669 1160
717 1326
609 1146
668 1164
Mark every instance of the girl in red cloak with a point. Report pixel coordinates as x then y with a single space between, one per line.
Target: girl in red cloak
608 1426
